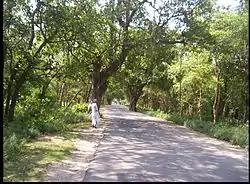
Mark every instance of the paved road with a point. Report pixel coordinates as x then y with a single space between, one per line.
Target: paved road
137 147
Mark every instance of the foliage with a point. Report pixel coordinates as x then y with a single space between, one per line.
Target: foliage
23 150
80 107
12 145
237 135
23 130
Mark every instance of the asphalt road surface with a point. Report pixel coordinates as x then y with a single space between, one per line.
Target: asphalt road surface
137 147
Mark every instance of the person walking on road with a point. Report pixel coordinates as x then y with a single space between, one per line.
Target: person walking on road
95 114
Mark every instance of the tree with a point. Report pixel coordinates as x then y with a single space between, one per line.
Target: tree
229 51
23 46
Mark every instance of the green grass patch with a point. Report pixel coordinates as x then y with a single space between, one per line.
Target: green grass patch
30 164
235 134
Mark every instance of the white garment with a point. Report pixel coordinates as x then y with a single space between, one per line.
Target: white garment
94 113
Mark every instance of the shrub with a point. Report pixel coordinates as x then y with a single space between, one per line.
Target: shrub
241 136
12 145
80 108
222 134
236 134
20 128
49 124
33 133
48 120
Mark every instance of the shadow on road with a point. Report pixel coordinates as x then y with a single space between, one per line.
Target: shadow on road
138 147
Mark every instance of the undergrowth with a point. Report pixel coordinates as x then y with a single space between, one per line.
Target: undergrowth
237 134
27 128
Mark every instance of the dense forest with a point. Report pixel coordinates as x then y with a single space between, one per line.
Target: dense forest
183 57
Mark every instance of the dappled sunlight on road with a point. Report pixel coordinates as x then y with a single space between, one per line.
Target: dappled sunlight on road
137 147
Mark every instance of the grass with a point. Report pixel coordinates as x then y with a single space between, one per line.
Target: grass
235 134
30 164
74 127
27 149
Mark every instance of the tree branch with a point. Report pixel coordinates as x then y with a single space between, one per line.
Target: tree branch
133 12
41 47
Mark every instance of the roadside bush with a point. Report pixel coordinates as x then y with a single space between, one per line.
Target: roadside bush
223 134
241 136
12 145
33 133
18 127
49 120
30 125
80 108
237 134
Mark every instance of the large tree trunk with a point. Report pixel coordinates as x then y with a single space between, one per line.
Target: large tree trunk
98 87
7 102
45 86
134 97
98 93
190 109
109 100
11 110
171 101
22 78
133 102
10 84
14 97
217 96
88 93
225 110
96 81
100 77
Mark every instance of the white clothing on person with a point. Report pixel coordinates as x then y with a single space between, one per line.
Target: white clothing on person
94 113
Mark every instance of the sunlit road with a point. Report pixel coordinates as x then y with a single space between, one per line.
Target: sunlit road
137 147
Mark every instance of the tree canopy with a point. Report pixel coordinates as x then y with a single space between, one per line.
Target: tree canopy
186 57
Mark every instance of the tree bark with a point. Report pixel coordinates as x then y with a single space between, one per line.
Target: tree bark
133 102
88 92
7 102
225 110
217 96
100 78
14 97
134 97
96 80
190 109
109 101
10 84
180 78
98 89
61 94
